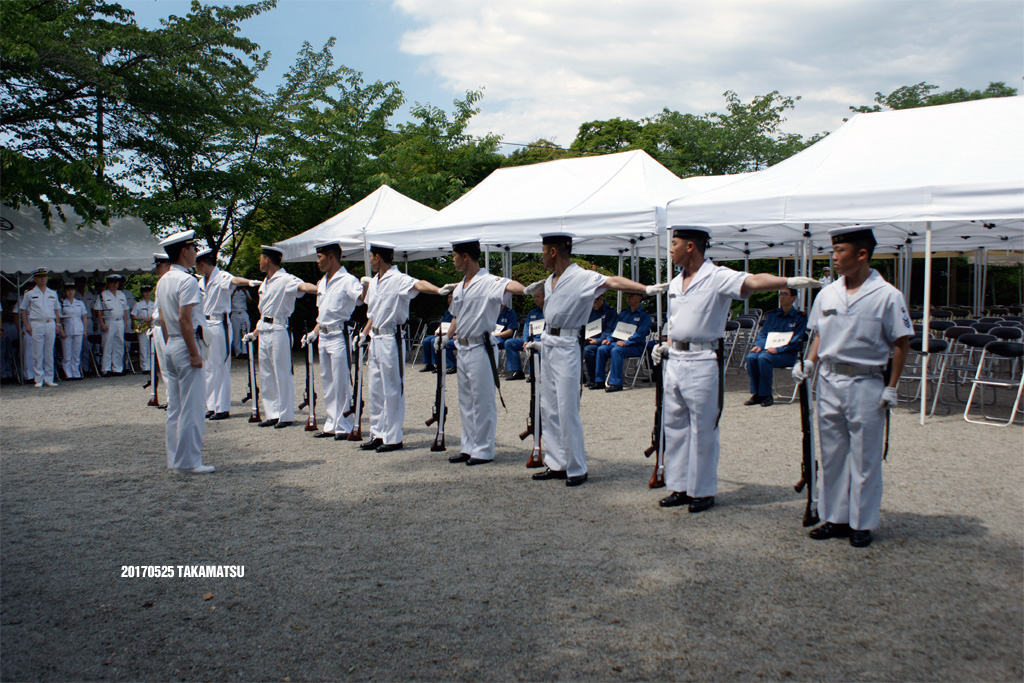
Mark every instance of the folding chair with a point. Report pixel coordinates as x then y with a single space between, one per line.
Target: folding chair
417 344
1007 333
990 320
984 327
639 364
912 371
937 327
131 342
92 340
787 396
997 353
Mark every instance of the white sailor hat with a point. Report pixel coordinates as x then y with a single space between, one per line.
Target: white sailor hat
160 257
206 252
385 250
853 233
327 244
556 237
40 272
381 244
691 232
178 238
115 276
270 249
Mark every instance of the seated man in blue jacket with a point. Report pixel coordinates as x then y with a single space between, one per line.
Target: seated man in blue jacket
618 350
608 317
508 321
761 360
513 346
430 353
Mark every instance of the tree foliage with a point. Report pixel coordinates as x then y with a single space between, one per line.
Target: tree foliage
923 95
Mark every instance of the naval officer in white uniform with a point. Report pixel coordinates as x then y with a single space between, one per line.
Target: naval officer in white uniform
860 319
476 304
569 294
699 298
179 299
111 309
40 317
387 297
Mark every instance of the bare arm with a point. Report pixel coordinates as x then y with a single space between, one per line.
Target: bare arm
762 282
812 352
241 282
188 333
515 288
307 288
624 284
425 287
900 351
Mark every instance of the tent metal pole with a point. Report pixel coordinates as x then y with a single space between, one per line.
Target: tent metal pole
657 279
927 318
984 281
746 269
487 258
618 295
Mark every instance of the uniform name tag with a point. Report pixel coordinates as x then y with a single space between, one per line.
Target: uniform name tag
593 328
828 312
623 331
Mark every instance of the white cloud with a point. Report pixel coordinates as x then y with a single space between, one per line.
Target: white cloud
549 65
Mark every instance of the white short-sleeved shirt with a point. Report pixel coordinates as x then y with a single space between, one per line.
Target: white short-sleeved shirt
112 304
71 313
216 293
388 297
143 309
476 306
175 289
337 298
278 295
239 303
569 303
699 314
41 304
859 328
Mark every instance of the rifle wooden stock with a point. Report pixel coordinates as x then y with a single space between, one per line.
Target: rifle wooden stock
808 464
533 420
356 406
657 447
526 432
440 415
254 390
310 389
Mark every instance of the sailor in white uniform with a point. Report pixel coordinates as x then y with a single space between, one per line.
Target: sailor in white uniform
163 264
40 316
338 293
476 304
569 294
859 319
74 318
142 318
111 310
239 320
179 299
699 298
387 297
217 286
278 293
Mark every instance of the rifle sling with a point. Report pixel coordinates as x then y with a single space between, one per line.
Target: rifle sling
401 361
720 358
494 368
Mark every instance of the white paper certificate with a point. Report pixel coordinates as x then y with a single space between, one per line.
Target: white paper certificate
593 329
536 327
777 339
497 329
445 327
623 331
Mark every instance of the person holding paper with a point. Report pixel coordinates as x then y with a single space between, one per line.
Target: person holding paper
776 346
430 358
599 327
626 340
532 328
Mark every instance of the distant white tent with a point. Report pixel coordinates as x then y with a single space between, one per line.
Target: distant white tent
125 246
382 209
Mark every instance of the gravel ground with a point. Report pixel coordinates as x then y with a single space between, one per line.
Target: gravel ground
403 566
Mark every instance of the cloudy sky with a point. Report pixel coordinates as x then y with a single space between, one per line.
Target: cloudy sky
548 65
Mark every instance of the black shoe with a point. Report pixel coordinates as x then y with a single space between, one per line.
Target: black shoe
429 368
476 461
372 444
209 414
701 504
550 474
324 435
675 499
860 538
282 425
461 457
830 530
594 385
612 388
268 423
767 401
162 406
518 374
753 400
341 437
577 480
452 370
220 416
388 447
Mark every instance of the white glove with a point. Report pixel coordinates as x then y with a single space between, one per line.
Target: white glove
250 337
255 283
364 280
657 289
439 341
364 339
658 352
889 399
800 282
445 290
535 287
534 346
802 370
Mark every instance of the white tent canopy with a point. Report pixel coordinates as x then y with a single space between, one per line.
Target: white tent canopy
382 209
125 246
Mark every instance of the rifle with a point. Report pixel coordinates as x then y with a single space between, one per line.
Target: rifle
253 385
440 414
154 375
533 420
657 446
309 398
808 465
356 405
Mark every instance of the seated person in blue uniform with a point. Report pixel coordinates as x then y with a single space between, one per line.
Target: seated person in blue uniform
513 346
761 361
608 316
614 352
509 321
430 353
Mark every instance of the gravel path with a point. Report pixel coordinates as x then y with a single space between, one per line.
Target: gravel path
403 566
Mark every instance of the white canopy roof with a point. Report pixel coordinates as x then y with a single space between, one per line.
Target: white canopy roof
604 200
382 209
126 245
959 165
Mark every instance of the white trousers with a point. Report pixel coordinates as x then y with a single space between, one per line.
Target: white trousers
337 389
217 369
28 368
113 346
477 406
689 414
43 337
186 404
387 402
277 386
239 328
71 345
144 353
560 405
851 428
